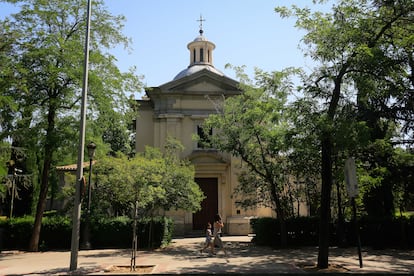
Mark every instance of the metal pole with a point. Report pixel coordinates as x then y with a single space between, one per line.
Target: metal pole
89 186
86 232
13 193
357 232
134 239
79 172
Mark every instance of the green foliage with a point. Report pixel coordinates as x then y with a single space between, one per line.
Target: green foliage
253 126
407 215
387 232
402 174
56 233
265 230
111 232
155 232
6 44
105 232
302 231
377 232
385 179
167 230
362 88
45 78
153 179
360 64
118 232
49 38
4 157
18 231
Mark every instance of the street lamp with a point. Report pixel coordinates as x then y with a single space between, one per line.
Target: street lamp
86 234
13 191
74 244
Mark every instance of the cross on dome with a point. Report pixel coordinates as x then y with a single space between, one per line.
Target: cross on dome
201 24
201 55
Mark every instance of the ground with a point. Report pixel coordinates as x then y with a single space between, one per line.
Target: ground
313 268
139 269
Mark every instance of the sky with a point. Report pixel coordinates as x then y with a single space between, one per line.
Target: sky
246 33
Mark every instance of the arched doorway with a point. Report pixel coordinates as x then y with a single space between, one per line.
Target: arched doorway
209 206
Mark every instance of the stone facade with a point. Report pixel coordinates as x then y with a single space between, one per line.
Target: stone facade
178 108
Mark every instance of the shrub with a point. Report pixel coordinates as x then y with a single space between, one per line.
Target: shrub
111 232
154 232
265 230
376 232
380 232
303 231
18 232
56 232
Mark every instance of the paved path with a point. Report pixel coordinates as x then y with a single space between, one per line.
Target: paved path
183 257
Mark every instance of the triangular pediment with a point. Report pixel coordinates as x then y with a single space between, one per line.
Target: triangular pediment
202 82
203 86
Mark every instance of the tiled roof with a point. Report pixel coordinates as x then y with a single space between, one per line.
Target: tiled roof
73 167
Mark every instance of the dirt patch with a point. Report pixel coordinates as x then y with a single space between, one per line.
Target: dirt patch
139 269
331 268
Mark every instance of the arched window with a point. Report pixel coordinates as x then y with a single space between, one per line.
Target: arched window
201 55
194 55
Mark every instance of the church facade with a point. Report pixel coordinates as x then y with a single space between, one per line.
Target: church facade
178 109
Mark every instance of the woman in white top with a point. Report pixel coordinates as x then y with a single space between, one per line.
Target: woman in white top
218 225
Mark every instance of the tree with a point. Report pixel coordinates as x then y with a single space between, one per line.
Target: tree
403 172
253 127
304 155
156 180
6 39
46 61
4 158
342 42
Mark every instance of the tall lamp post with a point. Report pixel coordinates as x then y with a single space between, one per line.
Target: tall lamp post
86 234
74 246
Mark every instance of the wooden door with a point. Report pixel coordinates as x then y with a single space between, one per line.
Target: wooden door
209 206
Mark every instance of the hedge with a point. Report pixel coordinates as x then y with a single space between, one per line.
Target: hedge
378 233
56 233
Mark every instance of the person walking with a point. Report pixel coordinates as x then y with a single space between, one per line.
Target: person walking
209 240
217 226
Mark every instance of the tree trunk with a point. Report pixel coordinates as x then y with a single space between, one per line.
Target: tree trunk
340 224
325 202
41 205
44 185
326 143
282 220
283 232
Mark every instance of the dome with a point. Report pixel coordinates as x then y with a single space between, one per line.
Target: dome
196 68
200 38
201 56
